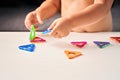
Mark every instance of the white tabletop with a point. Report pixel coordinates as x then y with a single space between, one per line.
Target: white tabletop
49 62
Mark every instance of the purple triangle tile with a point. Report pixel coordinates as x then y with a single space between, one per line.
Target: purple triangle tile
101 44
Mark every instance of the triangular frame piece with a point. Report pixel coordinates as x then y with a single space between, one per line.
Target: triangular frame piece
101 44
79 44
46 31
117 39
32 32
72 54
29 47
37 40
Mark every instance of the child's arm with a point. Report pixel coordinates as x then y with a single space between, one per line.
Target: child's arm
91 14
47 9
62 27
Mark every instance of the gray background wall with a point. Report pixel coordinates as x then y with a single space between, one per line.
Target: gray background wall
12 14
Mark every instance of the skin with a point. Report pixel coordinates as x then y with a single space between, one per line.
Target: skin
76 16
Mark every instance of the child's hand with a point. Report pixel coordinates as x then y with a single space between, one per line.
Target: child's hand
61 27
32 18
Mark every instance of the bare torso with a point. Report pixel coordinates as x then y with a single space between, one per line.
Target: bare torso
72 6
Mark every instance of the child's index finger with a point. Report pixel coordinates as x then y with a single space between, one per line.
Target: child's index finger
32 32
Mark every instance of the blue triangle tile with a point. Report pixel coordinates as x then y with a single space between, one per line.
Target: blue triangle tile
101 44
29 47
46 31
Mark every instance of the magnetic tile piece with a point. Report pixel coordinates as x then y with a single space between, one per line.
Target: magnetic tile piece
38 40
32 32
46 31
79 44
29 47
72 54
117 39
101 44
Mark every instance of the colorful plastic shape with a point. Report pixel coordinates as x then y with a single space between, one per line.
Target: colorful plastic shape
46 31
29 47
38 40
72 54
117 39
32 32
101 44
79 44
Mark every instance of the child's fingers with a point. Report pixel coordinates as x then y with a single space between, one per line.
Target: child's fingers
52 25
53 30
39 19
29 20
55 34
28 25
36 27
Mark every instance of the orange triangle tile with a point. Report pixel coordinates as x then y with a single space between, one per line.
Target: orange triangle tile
72 54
